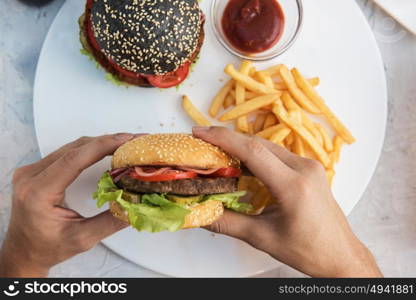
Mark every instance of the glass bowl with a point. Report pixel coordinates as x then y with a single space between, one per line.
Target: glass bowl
293 12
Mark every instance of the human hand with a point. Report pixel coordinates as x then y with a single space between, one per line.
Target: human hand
305 228
42 232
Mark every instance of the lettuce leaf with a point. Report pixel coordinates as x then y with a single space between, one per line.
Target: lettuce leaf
90 57
108 76
106 191
230 201
155 213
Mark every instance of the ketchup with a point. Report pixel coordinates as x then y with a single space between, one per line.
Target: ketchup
253 26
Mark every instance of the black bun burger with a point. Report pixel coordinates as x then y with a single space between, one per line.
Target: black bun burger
145 43
170 182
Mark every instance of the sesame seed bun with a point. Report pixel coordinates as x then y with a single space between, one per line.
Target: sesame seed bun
102 60
172 149
203 214
147 36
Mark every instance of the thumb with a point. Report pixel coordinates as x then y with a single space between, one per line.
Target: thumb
234 224
102 225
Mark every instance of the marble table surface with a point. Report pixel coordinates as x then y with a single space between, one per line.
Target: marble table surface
384 219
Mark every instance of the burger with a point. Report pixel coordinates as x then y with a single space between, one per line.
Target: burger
144 43
170 182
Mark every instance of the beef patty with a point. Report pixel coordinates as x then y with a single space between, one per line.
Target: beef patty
195 186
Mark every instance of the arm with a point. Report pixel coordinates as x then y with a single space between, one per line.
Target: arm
305 228
42 232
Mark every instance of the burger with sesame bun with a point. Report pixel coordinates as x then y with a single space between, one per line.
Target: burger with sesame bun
145 43
170 182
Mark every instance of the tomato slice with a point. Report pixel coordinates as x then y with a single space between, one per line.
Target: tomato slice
167 176
89 4
90 33
170 79
226 172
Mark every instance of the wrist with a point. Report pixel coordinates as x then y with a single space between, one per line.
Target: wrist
15 264
361 264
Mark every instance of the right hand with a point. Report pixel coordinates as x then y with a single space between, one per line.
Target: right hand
305 228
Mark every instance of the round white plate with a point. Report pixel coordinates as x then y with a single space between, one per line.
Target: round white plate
73 99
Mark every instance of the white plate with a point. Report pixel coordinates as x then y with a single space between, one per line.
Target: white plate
73 99
404 11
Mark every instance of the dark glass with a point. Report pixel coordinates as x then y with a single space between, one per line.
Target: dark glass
36 2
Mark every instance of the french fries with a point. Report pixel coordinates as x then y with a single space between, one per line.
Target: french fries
266 79
296 93
328 144
229 101
296 115
279 136
249 106
291 105
271 71
193 112
337 148
250 128
248 95
270 120
290 139
318 134
330 175
275 104
248 82
240 97
298 146
282 87
288 101
315 81
283 116
268 132
317 100
259 123
219 99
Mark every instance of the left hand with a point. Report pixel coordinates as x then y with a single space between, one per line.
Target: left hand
42 232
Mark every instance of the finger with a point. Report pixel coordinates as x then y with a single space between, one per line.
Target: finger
266 166
67 168
101 226
48 160
234 224
269 209
66 213
42 164
292 160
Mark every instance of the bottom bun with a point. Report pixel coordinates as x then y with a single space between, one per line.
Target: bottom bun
203 214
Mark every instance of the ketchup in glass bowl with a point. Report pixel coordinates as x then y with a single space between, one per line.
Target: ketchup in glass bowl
256 29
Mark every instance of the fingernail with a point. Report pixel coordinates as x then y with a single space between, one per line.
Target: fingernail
200 129
123 137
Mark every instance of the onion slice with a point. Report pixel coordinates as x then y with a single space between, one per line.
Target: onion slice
116 174
199 171
139 171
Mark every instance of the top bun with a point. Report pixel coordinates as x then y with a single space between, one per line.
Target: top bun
173 149
147 36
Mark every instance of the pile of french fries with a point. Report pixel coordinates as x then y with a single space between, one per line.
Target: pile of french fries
278 104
